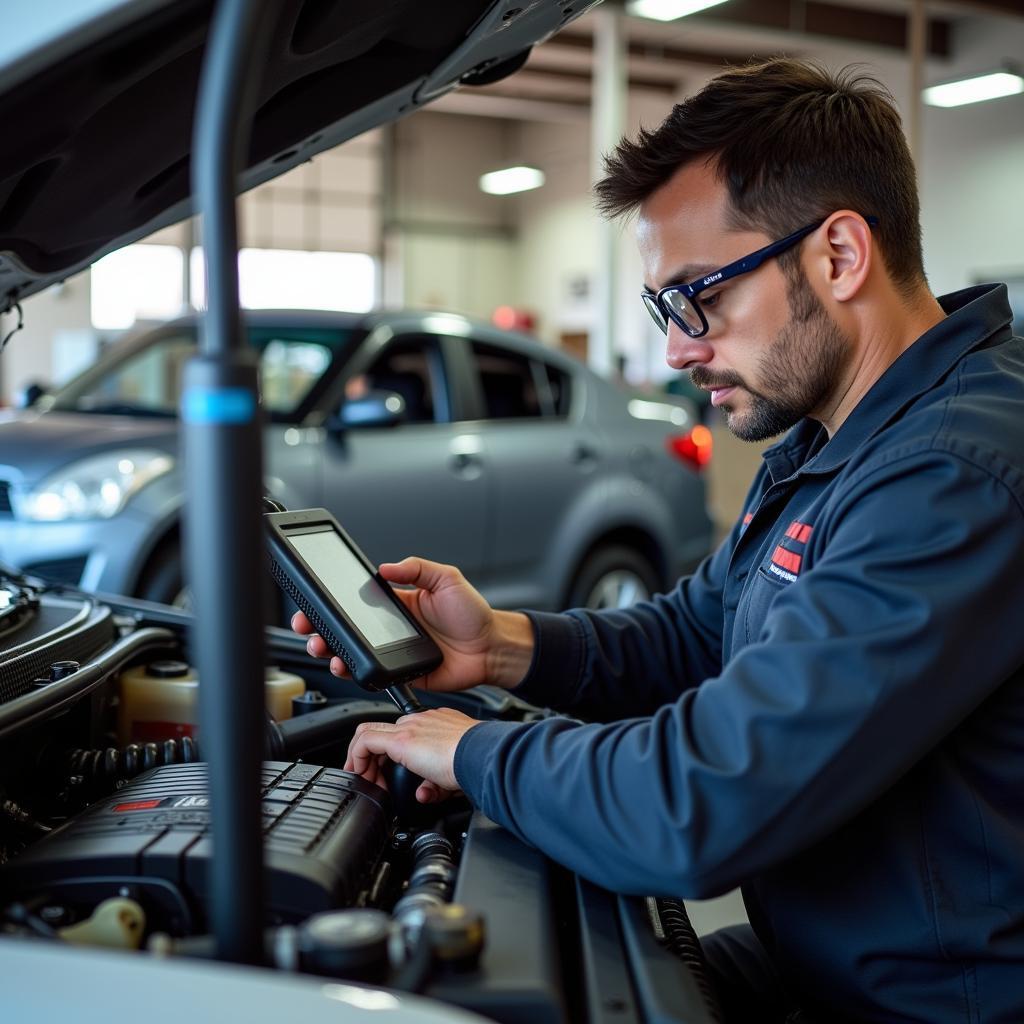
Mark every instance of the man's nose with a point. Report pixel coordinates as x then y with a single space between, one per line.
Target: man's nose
684 352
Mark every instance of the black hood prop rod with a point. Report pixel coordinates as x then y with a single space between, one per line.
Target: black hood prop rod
223 475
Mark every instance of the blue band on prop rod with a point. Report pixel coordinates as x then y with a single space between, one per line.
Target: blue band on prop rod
221 405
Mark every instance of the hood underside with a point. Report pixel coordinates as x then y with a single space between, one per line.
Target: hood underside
97 141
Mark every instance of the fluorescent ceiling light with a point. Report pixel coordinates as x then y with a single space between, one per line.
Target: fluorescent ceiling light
974 90
511 179
668 10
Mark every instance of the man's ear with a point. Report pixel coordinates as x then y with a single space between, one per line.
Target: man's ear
847 254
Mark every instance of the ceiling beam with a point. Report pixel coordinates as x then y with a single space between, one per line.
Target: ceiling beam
980 7
656 51
543 73
516 108
505 92
833 20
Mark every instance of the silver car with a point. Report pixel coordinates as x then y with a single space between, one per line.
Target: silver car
424 433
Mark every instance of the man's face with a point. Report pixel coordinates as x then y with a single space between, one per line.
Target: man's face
772 354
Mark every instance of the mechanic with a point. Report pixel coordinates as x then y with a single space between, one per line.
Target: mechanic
830 711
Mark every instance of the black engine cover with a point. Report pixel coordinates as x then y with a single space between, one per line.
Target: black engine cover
324 831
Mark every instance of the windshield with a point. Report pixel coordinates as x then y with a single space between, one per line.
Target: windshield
146 380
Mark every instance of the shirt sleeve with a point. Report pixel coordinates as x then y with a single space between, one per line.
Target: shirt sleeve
907 620
609 665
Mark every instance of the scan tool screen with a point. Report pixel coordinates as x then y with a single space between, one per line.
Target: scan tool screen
345 578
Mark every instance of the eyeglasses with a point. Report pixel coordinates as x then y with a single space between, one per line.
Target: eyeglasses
678 302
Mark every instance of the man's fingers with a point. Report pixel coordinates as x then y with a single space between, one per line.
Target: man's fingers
428 793
431 793
316 646
424 743
417 572
375 771
340 669
371 739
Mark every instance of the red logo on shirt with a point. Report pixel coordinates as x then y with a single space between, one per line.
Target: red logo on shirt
788 555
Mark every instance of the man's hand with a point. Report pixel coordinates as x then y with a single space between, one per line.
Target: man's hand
424 743
479 644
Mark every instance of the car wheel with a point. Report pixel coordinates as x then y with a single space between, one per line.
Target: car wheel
613 577
163 579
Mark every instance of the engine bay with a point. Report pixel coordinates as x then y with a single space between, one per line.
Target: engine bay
105 834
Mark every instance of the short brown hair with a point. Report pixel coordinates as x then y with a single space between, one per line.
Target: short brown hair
793 143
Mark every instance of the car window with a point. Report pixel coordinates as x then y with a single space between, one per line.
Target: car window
288 370
147 381
411 367
560 389
509 382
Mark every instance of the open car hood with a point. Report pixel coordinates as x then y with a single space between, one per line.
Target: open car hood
97 101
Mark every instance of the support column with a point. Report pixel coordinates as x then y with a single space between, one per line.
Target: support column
188 241
390 278
608 117
917 33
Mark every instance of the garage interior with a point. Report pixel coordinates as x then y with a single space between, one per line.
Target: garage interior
407 195
401 222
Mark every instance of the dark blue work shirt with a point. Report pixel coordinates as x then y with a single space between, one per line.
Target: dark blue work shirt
830 712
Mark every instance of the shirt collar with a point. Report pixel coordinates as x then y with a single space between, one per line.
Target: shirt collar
973 316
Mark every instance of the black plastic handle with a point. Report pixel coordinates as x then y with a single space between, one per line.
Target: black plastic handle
405 700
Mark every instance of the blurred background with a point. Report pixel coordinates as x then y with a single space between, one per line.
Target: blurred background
400 218
409 217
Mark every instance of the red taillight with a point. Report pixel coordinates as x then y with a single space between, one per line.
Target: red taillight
693 448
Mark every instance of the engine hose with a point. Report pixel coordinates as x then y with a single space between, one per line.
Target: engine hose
101 770
415 970
18 816
431 882
681 939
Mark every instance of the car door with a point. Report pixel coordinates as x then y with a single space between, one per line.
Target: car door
540 459
293 362
418 487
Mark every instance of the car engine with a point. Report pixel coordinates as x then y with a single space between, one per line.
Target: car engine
105 834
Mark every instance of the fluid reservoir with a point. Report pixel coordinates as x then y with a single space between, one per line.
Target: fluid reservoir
160 701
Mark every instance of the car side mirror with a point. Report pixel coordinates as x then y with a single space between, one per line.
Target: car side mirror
30 394
374 409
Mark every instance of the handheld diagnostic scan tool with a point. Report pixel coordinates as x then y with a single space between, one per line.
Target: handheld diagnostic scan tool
317 564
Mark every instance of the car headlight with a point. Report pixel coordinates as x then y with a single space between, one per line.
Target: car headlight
94 488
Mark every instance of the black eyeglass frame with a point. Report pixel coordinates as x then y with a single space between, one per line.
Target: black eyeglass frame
661 312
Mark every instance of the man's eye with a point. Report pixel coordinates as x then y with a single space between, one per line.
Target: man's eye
710 301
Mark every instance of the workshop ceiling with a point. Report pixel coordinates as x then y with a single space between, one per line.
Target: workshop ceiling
556 81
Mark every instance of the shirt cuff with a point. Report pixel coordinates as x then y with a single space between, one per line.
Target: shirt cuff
556 667
472 753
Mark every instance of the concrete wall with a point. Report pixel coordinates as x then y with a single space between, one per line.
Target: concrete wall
332 203
556 229
451 245
55 336
972 171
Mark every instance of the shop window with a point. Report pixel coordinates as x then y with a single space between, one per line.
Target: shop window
138 282
291 279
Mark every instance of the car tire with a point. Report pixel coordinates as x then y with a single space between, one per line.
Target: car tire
613 577
163 579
